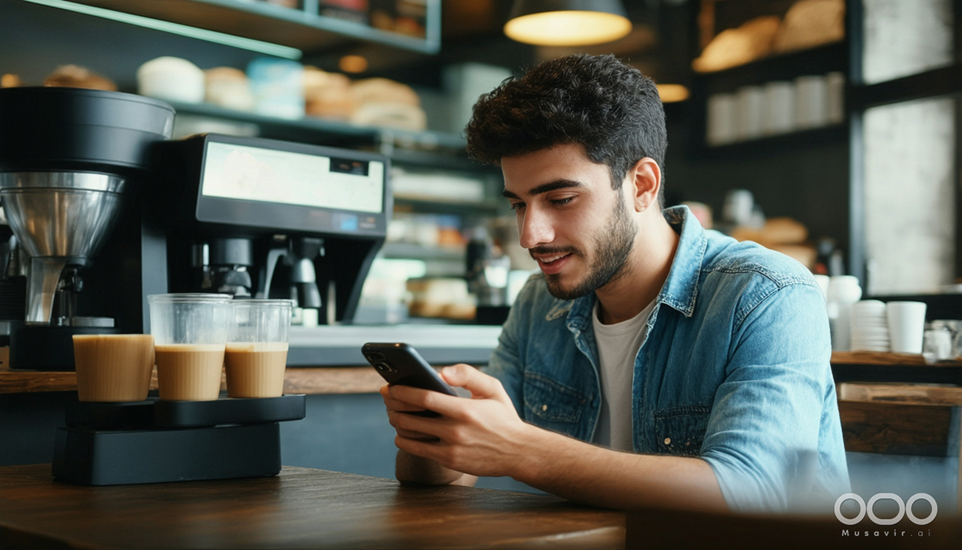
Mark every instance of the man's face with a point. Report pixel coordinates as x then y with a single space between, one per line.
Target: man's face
571 221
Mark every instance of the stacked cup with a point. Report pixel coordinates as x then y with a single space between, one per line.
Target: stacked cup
869 326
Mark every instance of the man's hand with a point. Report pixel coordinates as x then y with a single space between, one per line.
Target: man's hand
480 436
484 436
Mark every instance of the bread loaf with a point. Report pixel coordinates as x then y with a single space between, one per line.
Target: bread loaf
228 87
382 90
328 95
811 23
733 47
73 76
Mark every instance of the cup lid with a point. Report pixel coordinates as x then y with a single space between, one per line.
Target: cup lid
264 302
188 298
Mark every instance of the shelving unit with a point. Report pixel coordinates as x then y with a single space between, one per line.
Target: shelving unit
433 147
820 60
893 368
302 28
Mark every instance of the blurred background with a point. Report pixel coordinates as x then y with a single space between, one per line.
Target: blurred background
822 128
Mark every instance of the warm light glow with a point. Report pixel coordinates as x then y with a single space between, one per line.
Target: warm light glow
671 93
353 64
567 28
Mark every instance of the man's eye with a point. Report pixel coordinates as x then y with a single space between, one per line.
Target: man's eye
561 202
517 205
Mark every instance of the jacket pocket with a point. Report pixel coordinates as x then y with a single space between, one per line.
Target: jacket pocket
681 430
552 405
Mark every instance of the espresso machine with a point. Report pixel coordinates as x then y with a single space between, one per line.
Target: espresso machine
73 164
270 219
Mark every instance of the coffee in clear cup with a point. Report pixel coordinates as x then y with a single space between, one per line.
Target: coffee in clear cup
113 367
256 354
190 336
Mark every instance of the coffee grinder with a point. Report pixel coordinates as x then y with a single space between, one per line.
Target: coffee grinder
72 165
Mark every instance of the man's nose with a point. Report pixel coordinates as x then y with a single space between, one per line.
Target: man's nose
535 229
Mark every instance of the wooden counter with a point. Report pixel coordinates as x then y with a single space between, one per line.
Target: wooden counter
324 380
345 380
300 508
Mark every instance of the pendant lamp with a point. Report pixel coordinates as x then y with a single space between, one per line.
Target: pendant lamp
567 22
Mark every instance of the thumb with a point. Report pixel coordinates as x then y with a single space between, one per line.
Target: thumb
479 384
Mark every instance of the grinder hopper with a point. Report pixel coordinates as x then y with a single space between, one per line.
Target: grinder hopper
60 218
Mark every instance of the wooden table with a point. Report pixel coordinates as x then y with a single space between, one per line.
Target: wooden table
299 508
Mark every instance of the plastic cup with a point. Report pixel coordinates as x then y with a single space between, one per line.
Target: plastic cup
113 367
906 326
190 335
256 355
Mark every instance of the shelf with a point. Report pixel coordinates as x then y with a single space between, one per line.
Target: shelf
815 61
835 133
303 28
425 149
420 252
868 367
887 359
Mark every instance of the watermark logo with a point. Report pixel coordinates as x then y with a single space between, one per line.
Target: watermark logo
905 509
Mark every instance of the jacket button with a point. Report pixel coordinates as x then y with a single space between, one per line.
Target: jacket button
667 441
544 408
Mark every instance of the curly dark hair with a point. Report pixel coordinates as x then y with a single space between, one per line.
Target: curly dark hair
599 102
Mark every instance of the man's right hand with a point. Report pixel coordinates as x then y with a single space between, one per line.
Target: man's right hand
414 469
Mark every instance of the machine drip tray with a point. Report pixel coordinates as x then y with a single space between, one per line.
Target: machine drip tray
160 441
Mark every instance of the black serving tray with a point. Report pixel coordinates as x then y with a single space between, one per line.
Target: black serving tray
190 414
120 457
133 415
157 414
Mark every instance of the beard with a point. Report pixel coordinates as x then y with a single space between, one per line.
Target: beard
612 246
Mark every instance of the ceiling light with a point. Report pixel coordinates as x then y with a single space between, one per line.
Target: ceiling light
567 22
671 93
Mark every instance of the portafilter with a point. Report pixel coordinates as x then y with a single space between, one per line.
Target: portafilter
61 219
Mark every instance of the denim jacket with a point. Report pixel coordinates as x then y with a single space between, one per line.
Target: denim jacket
735 370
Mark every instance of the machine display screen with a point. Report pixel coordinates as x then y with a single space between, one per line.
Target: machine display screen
235 171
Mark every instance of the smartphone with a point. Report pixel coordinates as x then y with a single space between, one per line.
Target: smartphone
401 364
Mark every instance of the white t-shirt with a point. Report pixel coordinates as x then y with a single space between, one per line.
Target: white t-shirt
618 345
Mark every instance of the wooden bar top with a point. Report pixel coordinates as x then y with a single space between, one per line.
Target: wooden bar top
312 381
299 508
353 379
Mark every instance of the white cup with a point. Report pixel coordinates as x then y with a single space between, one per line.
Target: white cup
722 119
906 326
811 101
778 114
749 109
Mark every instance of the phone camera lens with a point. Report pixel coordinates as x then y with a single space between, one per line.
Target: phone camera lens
383 367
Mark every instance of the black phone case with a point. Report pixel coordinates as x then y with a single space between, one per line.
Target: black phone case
401 364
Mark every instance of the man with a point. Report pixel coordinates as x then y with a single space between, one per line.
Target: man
650 362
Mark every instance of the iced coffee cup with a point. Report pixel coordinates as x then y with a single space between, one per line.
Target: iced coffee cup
113 367
190 335
257 348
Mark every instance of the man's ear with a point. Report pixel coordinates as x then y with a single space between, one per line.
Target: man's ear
645 182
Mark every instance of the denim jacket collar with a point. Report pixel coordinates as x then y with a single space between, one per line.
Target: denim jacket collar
679 290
